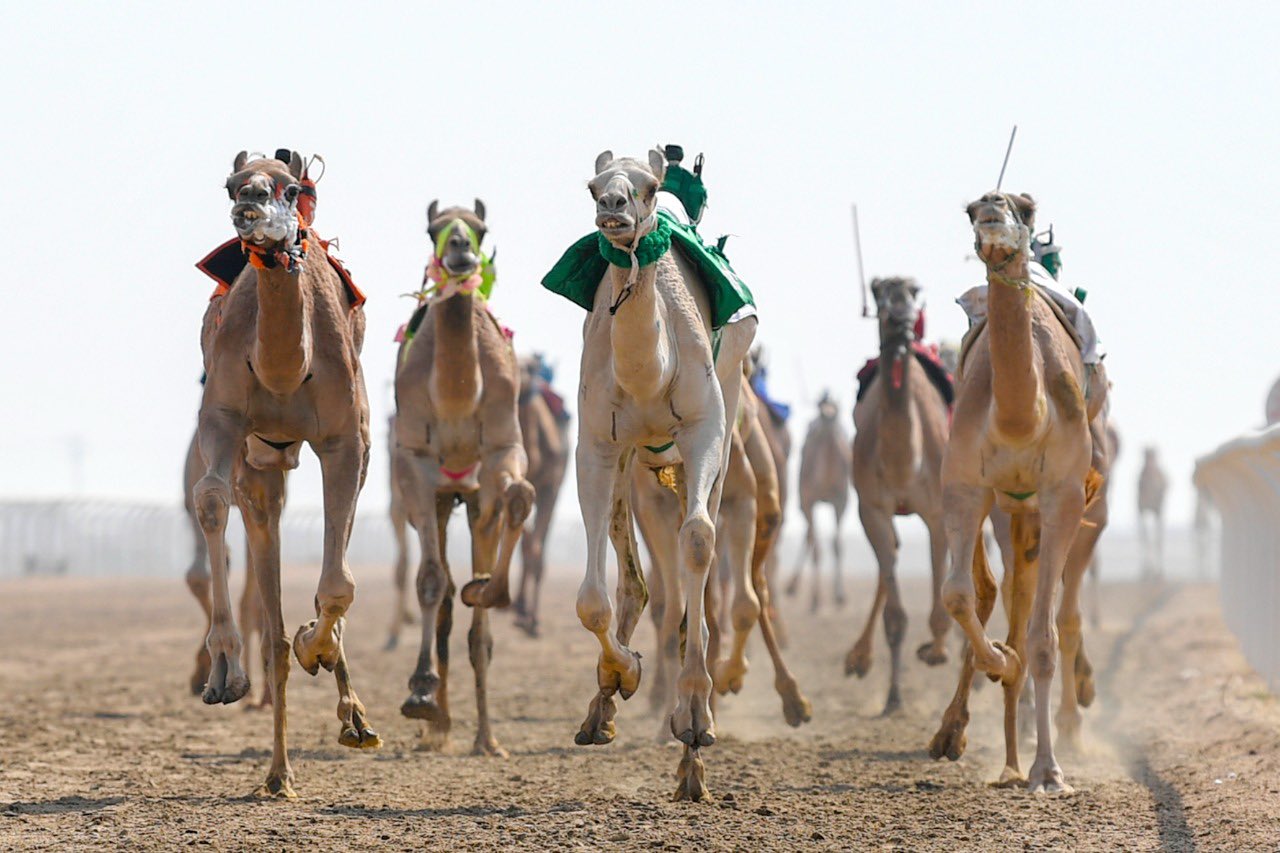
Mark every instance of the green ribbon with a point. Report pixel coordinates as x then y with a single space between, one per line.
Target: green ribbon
652 246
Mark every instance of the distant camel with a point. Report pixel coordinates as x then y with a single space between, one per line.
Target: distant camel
1152 485
825 468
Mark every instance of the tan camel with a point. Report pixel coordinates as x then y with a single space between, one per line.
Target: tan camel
900 432
825 469
282 354
1020 438
401 615
1152 485
747 530
650 376
546 443
458 441
774 426
199 579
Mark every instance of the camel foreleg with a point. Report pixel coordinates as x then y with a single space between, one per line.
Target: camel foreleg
736 525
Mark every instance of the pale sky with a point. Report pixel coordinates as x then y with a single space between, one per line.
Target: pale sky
1148 132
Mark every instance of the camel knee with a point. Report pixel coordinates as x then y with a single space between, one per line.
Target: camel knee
479 644
746 610
430 583
595 612
698 543
212 499
957 598
1069 626
1042 651
336 592
895 623
198 580
519 500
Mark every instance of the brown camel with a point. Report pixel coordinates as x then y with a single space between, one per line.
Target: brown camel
400 613
774 426
900 431
747 530
1152 485
198 581
458 442
653 388
825 469
282 355
546 443
1020 439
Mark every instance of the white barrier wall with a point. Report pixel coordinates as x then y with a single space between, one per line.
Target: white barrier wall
1243 479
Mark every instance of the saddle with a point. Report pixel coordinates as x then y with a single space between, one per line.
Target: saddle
225 263
971 336
927 356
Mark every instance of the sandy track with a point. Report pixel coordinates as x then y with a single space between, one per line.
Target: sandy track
104 746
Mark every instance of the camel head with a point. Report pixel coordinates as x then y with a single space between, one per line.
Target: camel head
626 195
534 372
1002 226
264 194
827 408
898 308
456 234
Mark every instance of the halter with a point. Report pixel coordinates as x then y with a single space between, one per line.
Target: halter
438 283
642 230
290 257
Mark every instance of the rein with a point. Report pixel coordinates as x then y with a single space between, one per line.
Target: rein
652 239
290 259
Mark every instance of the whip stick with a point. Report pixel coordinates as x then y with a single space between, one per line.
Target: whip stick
862 280
1007 152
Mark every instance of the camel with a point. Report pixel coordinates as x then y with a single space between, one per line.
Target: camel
900 431
400 613
746 532
1152 485
198 580
458 442
774 426
282 355
825 469
1020 440
546 443
654 391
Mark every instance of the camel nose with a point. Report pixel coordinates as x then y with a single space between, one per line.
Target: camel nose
253 192
612 202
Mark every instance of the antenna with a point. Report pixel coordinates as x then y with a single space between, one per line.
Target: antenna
862 280
1005 164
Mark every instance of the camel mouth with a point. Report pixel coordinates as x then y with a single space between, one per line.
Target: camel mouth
460 266
264 224
614 224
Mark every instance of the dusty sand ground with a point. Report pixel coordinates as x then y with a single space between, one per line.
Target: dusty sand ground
105 748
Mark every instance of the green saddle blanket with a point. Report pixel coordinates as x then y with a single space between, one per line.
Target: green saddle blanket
578 273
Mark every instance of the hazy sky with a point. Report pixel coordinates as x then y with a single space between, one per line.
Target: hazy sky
1148 132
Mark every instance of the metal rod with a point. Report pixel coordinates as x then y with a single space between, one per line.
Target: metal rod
862 280
1007 152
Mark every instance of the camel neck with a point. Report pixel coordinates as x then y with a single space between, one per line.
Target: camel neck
455 365
639 334
1016 390
898 435
282 355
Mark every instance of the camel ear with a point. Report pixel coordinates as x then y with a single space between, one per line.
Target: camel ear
1026 209
241 159
604 158
296 165
431 210
877 286
480 210
657 164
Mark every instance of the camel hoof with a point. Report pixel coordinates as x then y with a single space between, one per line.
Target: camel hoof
361 738
1047 779
1086 691
223 689
729 675
314 651
479 592
200 676
598 728
528 625
950 740
693 726
1006 667
622 676
892 704
691 778
489 748
796 709
858 661
932 655
423 706
278 786
1010 778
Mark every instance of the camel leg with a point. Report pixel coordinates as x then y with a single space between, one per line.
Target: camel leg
198 581
600 470
318 643
737 523
837 555
505 501
400 615
1025 546
950 737
878 526
966 507
1077 671
771 576
262 500
428 511
807 549
533 544
934 653
1061 510
221 438
480 649
658 514
253 621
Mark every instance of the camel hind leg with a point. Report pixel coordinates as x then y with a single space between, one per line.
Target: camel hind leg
934 652
1025 546
878 526
400 615
657 512
837 556
736 525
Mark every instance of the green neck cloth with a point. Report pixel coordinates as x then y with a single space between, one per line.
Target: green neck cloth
652 246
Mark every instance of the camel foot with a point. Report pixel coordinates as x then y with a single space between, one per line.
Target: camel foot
278 785
529 625
200 675
433 736
356 732
489 747
793 586
691 778
1000 662
934 654
858 661
1046 777
619 673
729 675
691 721
423 706
314 650
950 739
892 703
479 592
598 728
796 709
1086 691
1010 777
226 683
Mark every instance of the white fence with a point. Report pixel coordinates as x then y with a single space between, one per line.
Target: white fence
1243 479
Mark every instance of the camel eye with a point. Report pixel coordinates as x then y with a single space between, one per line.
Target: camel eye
291 192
